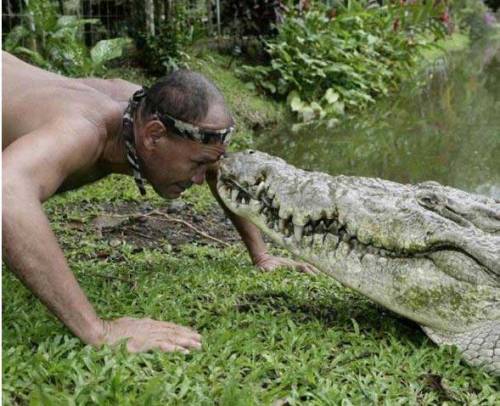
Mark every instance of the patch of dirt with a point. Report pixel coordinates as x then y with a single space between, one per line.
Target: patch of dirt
168 228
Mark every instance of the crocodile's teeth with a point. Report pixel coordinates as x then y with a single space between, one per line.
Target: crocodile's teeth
333 228
343 249
308 229
320 228
297 232
318 240
260 188
331 241
307 241
282 224
221 188
234 194
254 204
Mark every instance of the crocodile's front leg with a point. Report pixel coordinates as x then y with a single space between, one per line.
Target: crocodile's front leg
480 345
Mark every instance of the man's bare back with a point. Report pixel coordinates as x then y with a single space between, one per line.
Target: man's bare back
39 99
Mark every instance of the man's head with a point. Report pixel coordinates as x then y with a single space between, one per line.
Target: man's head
171 161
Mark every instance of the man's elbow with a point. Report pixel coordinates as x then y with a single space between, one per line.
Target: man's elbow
16 194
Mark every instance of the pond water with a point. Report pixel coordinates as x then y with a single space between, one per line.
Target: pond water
449 131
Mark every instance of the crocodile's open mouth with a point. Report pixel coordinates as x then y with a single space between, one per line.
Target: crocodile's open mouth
326 234
329 220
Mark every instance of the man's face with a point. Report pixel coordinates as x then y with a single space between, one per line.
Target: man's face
172 164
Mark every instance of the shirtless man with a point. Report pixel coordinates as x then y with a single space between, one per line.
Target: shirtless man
61 133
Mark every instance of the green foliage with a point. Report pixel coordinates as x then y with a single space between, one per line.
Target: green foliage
251 17
163 52
55 42
251 112
329 65
472 15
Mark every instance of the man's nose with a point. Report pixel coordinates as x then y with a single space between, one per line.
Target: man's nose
199 178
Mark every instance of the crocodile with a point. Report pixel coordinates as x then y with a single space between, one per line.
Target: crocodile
428 252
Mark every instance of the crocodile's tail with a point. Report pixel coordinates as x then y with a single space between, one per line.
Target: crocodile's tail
480 346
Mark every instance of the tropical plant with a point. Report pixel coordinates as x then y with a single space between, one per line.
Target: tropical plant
178 28
254 17
473 15
329 62
56 42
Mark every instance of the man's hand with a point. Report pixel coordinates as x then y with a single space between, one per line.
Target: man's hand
266 262
147 334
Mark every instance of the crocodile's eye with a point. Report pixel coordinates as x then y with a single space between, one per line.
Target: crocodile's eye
251 151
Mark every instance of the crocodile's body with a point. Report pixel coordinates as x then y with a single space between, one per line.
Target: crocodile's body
428 252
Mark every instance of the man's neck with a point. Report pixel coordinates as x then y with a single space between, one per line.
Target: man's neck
114 156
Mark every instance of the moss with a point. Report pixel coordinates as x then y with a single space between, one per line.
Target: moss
446 301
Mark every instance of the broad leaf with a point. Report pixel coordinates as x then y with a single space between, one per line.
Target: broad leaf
108 49
331 96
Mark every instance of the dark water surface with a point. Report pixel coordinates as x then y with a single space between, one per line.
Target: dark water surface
449 132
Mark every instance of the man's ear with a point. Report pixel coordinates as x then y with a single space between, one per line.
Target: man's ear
153 131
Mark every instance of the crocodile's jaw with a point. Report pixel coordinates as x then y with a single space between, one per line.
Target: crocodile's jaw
390 265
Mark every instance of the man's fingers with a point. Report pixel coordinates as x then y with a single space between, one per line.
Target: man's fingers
162 326
275 263
309 269
178 341
167 347
179 336
177 327
147 334
185 342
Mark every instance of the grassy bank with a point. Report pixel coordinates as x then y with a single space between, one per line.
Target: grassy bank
269 338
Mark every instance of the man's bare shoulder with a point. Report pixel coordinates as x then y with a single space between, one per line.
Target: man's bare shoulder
52 103
117 89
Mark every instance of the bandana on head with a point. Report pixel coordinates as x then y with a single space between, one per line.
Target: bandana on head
179 127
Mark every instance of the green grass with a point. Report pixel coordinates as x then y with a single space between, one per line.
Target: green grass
268 337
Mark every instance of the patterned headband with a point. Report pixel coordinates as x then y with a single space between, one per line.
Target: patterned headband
195 133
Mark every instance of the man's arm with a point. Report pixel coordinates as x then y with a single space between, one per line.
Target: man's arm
34 167
252 237
30 248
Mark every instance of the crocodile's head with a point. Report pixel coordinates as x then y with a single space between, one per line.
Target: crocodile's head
428 252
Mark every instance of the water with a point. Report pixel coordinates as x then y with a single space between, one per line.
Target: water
448 132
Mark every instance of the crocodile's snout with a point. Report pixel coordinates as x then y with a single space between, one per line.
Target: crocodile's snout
428 252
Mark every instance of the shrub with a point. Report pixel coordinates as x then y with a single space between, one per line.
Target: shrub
55 42
163 52
329 62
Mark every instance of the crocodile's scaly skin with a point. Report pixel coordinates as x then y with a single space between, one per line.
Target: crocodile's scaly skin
428 252
479 345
